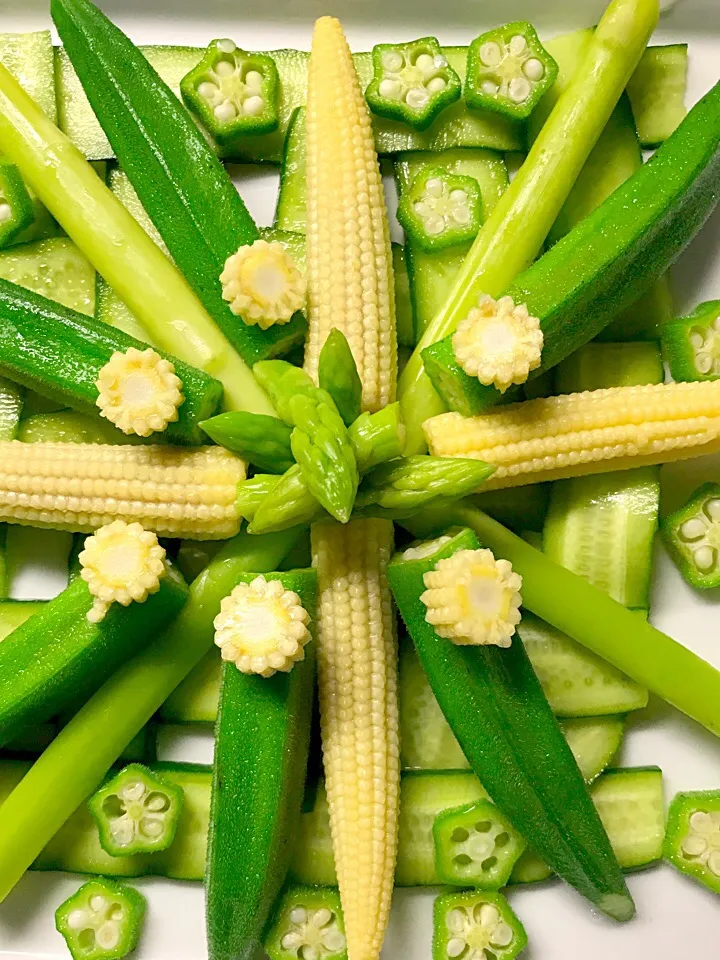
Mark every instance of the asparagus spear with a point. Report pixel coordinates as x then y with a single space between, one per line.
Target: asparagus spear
338 374
262 441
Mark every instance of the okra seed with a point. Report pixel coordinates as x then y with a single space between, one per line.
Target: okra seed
291 941
490 88
151 827
298 915
488 915
712 509
321 917
461 215
425 63
223 68
436 85
254 106
157 802
393 61
440 61
519 89
309 952
421 208
227 45
697 340
390 89
108 936
704 362
694 846
77 919
133 790
458 196
455 947
98 903
334 940
254 79
456 921
208 90
714 862
701 821
434 187
533 69
417 97
490 54
434 225
5 212
518 45
225 112
502 935
704 558
692 529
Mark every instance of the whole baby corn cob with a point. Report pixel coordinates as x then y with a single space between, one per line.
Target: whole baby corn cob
175 491
581 433
349 287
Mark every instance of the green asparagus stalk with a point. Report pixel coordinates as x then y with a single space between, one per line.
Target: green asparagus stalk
262 441
377 437
571 604
118 247
252 492
400 488
514 232
76 762
338 375
320 442
289 503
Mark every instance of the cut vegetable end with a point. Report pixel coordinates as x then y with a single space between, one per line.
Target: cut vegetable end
139 392
618 907
263 285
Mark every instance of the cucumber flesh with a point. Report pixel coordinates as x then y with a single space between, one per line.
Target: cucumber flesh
55 269
291 211
657 92
13 613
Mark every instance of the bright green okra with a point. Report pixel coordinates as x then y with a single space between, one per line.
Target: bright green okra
475 924
692 537
98 733
440 210
101 921
692 839
691 345
16 206
338 375
308 919
262 441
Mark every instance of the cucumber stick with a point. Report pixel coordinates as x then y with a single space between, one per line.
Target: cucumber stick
657 92
100 226
630 802
291 210
262 741
602 527
57 657
55 269
179 180
59 353
606 262
496 709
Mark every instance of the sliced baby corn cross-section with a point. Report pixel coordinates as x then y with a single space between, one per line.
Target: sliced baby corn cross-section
582 433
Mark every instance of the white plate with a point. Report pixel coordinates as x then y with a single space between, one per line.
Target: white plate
676 918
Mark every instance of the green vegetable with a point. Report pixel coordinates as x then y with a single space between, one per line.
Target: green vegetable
477 923
412 82
120 708
55 269
603 527
68 426
31 741
319 441
518 508
291 210
404 322
16 209
692 842
572 605
496 708
179 180
101 226
307 919
476 846
101 921
377 437
338 376
440 210
136 812
262 441
516 229
234 93
692 537
630 803
60 353
58 656
508 70
575 294
405 486
262 741
657 92
691 345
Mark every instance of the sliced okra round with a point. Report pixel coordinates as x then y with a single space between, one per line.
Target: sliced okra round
441 210
308 925
234 93
479 925
508 70
692 536
412 82
16 206
692 839
101 921
705 346
136 812
691 345
476 846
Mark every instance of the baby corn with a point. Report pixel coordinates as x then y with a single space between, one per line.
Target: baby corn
582 433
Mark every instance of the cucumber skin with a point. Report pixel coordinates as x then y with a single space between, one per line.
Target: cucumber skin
611 258
262 743
58 658
497 710
179 180
59 353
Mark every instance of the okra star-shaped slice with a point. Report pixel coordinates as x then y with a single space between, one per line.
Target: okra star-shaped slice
508 70
692 536
476 926
692 839
441 210
691 345
101 921
234 93
412 82
308 924
136 812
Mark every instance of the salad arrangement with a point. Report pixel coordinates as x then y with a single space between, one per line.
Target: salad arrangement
267 442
